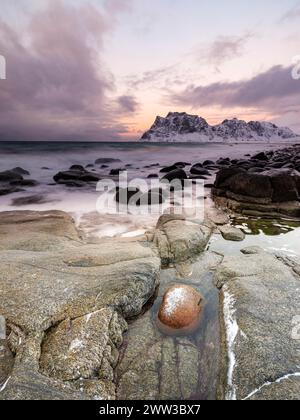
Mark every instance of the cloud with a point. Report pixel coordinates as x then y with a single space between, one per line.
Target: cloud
57 85
128 104
223 49
292 14
272 89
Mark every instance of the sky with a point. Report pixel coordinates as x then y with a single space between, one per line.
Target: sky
102 70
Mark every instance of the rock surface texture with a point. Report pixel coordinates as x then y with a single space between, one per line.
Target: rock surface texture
261 301
267 184
65 303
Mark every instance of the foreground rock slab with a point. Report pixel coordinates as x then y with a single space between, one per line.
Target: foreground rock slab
261 295
66 309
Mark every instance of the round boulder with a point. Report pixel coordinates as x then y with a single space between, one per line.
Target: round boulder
180 309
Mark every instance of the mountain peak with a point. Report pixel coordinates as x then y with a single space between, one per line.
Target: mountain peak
183 127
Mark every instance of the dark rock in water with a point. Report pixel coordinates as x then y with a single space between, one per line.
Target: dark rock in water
78 168
45 168
168 169
89 166
20 171
77 176
127 196
106 161
8 176
223 162
177 174
26 183
151 198
252 185
104 166
260 156
197 170
272 192
208 163
114 172
33 199
6 188
152 176
285 184
182 165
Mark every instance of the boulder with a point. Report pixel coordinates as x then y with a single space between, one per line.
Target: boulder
177 174
106 161
230 233
179 240
180 309
20 171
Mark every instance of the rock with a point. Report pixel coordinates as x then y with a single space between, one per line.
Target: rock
199 170
271 191
118 171
260 302
37 231
9 176
20 171
76 349
151 176
208 163
252 250
66 302
180 309
260 156
231 233
180 240
127 196
32 199
68 177
78 168
177 174
154 366
169 169
106 161
151 198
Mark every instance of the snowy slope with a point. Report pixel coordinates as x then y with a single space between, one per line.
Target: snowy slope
182 127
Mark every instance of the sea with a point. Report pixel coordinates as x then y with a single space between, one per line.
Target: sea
45 159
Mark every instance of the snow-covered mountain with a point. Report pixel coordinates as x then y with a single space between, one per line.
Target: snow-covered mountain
182 127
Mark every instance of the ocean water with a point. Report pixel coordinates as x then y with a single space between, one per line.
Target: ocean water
44 159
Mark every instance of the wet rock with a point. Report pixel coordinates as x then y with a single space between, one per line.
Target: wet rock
151 176
260 302
118 171
9 176
168 169
260 156
20 171
180 309
106 161
69 303
78 168
127 196
177 174
199 170
33 199
76 175
180 240
231 233
37 231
